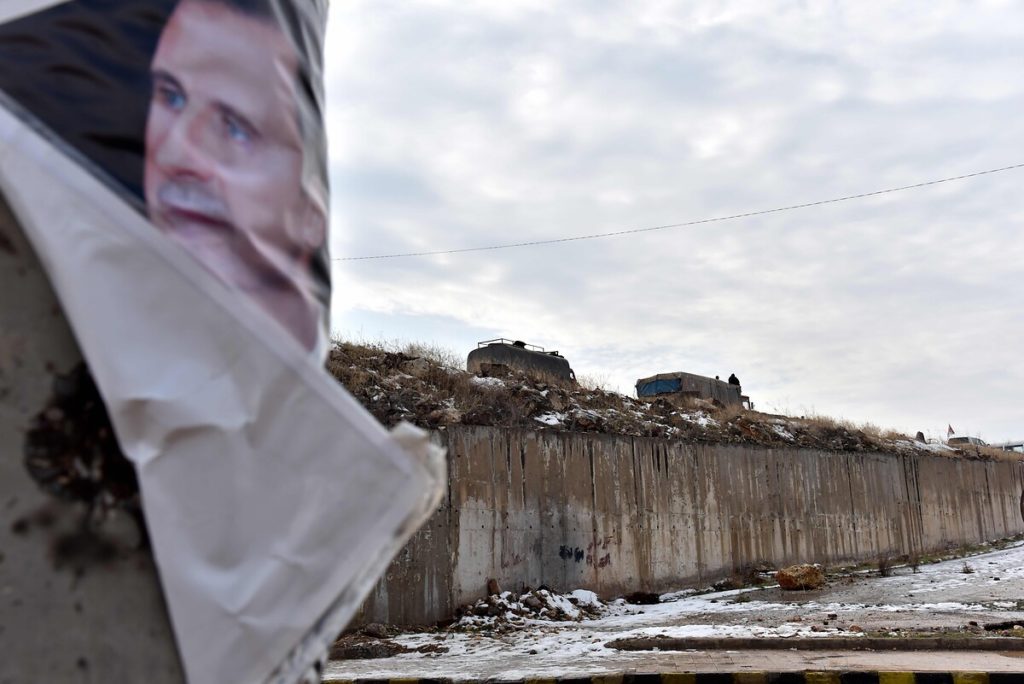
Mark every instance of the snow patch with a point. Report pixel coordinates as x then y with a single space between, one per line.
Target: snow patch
783 433
487 382
586 598
700 418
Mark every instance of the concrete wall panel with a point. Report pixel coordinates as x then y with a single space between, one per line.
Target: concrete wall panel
618 514
80 600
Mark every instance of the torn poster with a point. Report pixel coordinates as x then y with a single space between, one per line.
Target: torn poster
167 160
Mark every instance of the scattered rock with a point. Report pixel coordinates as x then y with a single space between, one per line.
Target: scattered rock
855 628
556 400
376 630
801 577
352 648
432 648
585 420
444 416
532 602
417 368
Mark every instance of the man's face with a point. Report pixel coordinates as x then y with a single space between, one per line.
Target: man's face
224 150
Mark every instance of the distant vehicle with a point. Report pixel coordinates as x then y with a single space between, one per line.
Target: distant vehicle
495 357
1017 446
691 385
966 440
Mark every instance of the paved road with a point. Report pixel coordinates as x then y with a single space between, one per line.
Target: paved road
716 661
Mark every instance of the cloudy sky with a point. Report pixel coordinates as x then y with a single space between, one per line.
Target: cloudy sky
469 123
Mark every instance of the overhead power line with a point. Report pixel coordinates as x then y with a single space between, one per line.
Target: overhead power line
760 212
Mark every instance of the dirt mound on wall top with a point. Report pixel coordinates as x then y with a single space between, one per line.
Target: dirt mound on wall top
428 388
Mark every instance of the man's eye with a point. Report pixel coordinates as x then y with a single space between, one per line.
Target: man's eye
170 97
238 130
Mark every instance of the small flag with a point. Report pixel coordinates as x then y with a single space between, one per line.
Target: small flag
950 431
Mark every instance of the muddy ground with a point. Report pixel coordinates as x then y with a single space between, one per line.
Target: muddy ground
957 597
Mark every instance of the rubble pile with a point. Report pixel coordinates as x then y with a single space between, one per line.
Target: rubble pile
506 612
502 612
432 391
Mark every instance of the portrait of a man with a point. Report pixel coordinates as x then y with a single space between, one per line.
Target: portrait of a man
226 174
203 115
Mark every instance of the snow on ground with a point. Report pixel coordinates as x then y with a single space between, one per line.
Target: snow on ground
487 382
941 595
935 447
783 433
699 418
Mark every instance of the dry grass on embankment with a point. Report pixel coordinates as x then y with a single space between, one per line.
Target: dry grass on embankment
428 386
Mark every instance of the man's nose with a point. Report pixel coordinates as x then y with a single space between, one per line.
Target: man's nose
185 150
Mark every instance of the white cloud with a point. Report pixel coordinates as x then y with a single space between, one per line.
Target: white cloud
461 124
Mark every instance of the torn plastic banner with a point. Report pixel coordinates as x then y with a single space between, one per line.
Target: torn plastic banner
166 160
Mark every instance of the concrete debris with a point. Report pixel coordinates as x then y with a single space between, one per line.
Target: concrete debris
506 612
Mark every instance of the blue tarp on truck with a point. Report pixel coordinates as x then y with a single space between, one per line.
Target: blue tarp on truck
690 385
655 387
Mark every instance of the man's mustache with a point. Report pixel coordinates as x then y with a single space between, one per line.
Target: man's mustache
192 197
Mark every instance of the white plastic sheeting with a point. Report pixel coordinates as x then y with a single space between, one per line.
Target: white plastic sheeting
268 491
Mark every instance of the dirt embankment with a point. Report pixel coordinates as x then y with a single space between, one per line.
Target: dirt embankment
431 390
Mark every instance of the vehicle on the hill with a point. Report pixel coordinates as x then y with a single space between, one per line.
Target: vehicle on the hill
683 385
495 357
961 441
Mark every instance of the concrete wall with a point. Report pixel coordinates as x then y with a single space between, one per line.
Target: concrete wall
619 514
80 600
